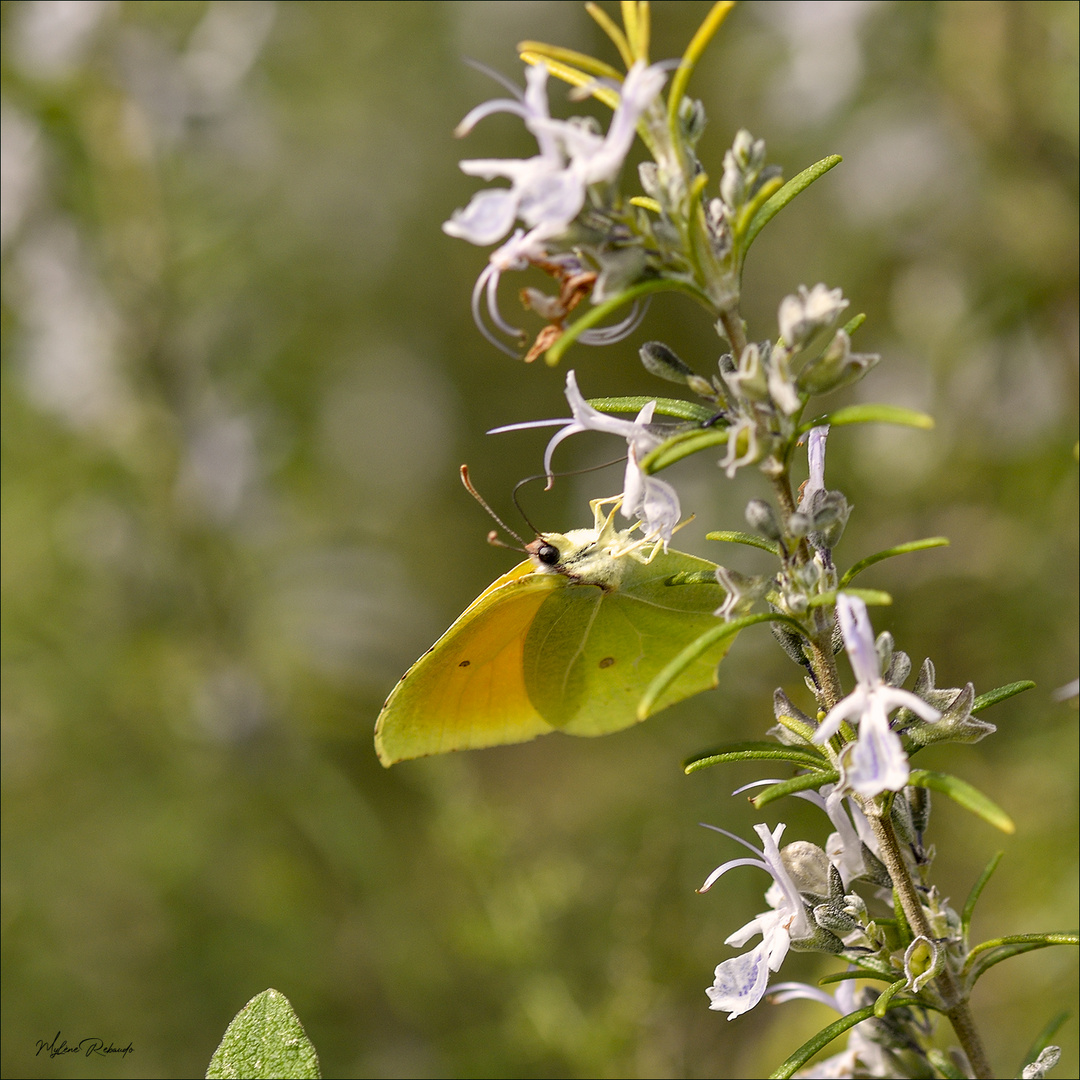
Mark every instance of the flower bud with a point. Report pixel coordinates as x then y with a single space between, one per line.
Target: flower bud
784 706
836 367
692 119
808 866
897 669
801 316
702 387
750 380
919 801
660 361
742 592
792 644
830 516
649 176
762 519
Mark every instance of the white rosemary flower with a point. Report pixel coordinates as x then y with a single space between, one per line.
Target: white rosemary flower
652 501
877 761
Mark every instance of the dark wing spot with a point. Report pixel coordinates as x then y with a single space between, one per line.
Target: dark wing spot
607 661
465 663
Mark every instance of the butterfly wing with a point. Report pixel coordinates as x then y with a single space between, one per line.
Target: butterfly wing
590 653
467 690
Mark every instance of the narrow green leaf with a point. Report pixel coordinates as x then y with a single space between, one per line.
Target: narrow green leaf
881 1006
888 553
872 414
702 37
796 727
854 323
684 410
873 597
749 539
866 967
691 653
943 1063
826 1035
571 58
265 1039
756 751
793 786
793 187
969 797
976 891
613 31
990 953
1042 1040
682 445
1002 693
570 74
761 197
601 311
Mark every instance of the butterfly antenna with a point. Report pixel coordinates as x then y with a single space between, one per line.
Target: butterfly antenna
493 537
549 478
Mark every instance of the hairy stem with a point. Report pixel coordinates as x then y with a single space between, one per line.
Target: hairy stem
957 1007
823 661
732 323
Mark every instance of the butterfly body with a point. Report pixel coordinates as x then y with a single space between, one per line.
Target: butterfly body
567 640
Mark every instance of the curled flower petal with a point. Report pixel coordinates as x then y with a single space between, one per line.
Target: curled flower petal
739 983
487 219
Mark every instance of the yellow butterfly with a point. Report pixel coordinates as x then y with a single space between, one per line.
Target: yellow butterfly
566 641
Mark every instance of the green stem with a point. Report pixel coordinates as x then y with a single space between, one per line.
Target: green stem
822 660
956 1008
732 323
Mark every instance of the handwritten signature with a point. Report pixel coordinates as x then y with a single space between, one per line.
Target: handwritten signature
90 1047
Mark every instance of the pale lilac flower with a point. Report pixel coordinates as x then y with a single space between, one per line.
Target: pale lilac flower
844 846
877 761
815 455
801 316
547 191
653 502
843 1001
739 983
542 192
595 159
1067 692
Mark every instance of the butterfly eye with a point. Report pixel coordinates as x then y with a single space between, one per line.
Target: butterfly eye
548 554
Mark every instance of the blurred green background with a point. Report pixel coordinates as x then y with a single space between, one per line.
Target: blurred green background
239 374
